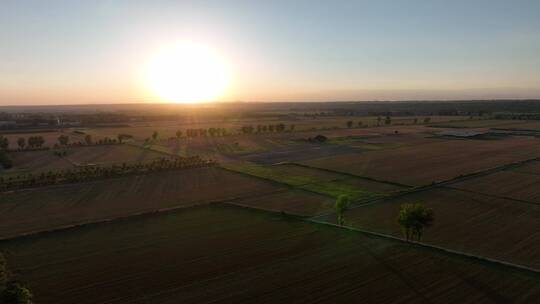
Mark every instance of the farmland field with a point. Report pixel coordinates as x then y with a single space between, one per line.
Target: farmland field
316 180
438 161
210 255
508 184
473 223
111 154
36 161
52 207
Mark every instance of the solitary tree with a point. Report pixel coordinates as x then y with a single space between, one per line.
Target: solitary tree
388 120
15 292
88 139
359 123
379 120
178 134
349 124
63 140
413 219
341 205
155 135
4 143
21 142
12 291
427 119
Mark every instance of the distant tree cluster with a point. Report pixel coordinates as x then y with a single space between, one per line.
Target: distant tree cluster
63 141
270 128
211 132
89 172
5 160
318 139
12 291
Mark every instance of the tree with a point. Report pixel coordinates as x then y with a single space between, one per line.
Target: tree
413 219
388 120
291 127
21 142
16 293
63 140
4 143
178 134
88 139
12 291
155 135
359 123
379 120
341 205
415 121
349 124
427 119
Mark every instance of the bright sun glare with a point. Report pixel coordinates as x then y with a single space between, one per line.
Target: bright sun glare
187 73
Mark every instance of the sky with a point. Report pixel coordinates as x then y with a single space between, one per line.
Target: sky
69 52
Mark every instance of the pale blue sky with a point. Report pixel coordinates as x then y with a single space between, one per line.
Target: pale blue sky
92 51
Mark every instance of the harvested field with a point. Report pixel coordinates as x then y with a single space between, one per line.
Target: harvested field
438 161
508 184
111 154
295 202
51 207
473 223
530 168
481 123
210 255
36 161
298 152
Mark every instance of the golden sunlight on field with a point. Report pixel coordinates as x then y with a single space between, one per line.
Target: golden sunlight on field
187 73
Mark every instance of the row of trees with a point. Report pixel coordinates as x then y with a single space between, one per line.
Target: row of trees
387 121
413 218
12 291
33 142
86 173
270 128
37 142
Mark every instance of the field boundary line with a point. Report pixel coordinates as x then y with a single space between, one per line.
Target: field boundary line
146 213
348 174
425 245
492 195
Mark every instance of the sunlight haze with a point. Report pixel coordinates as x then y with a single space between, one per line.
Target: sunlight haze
64 52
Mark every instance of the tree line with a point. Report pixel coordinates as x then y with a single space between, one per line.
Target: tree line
93 172
270 128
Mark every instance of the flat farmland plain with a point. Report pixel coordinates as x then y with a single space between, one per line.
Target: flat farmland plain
438 161
51 207
211 254
473 223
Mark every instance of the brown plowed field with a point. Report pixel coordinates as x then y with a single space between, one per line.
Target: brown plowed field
50 207
508 184
423 164
231 255
473 223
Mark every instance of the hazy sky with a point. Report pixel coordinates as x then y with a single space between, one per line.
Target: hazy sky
93 51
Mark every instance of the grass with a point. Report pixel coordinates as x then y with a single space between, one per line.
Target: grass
327 184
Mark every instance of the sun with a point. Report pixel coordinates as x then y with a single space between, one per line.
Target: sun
187 73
